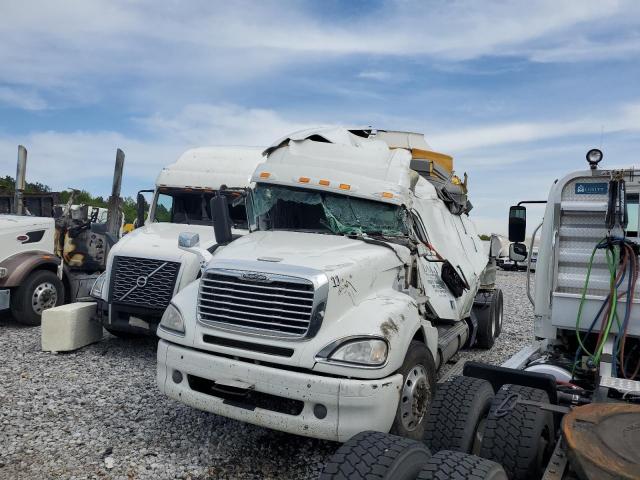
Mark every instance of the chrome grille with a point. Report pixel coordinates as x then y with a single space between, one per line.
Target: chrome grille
277 304
143 281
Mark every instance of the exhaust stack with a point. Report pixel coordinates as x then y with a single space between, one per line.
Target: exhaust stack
21 181
114 213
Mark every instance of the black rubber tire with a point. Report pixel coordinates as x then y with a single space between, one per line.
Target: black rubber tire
522 440
21 308
417 354
498 300
448 465
486 324
376 456
455 413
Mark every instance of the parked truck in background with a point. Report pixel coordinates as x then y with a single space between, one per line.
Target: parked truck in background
362 275
567 407
50 255
146 268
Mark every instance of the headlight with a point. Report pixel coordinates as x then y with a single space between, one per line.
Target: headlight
96 290
172 319
370 352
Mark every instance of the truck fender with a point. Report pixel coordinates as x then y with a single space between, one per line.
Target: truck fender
20 265
393 316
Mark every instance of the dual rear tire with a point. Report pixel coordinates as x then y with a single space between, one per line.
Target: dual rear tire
489 318
381 456
473 434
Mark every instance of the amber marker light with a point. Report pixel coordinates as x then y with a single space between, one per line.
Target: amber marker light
345 186
304 179
387 195
265 175
324 183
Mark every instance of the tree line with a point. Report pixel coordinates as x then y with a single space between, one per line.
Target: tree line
7 184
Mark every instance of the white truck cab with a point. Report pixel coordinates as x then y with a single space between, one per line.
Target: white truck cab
359 278
146 267
30 272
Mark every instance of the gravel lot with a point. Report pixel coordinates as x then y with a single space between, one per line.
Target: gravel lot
95 413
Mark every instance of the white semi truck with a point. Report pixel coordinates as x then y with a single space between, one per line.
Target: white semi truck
567 407
146 267
49 255
362 274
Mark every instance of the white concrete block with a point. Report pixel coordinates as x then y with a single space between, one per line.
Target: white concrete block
69 327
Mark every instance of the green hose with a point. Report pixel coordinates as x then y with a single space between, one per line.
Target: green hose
613 260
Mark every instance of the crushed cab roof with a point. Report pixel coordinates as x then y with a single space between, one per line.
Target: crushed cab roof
340 156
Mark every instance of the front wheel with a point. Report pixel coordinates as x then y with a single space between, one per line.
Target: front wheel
41 290
419 373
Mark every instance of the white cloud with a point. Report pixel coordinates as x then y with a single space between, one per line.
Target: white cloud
375 75
624 118
72 159
57 46
21 98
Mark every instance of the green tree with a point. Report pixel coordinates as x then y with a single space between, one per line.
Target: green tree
8 183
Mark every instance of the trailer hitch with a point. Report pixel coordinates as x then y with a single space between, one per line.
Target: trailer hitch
514 399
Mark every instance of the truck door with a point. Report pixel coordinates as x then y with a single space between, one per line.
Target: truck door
440 299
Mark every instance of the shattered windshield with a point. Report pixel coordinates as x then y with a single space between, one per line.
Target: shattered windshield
286 208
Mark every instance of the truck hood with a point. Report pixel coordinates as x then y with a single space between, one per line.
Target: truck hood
13 221
160 240
327 253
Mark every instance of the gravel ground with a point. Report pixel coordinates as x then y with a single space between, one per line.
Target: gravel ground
95 413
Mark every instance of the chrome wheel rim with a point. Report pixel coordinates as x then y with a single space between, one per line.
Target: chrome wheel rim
415 397
44 296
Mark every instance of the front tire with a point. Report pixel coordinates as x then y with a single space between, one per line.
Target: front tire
40 291
419 373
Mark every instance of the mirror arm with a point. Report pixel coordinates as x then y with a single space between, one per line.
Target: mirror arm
203 255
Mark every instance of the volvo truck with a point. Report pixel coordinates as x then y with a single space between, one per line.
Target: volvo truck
146 268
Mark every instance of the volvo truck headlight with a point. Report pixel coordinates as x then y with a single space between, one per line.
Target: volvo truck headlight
370 352
172 319
96 290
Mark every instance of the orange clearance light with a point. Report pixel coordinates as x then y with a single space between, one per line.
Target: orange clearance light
265 175
324 183
304 179
387 195
345 186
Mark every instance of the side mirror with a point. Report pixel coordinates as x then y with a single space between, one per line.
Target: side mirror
190 242
221 220
140 204
517 223
518 252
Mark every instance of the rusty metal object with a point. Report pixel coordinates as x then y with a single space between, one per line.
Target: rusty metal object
603 440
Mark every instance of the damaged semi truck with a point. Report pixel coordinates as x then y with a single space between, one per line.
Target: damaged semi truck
567 407
146 268
361 276
50 255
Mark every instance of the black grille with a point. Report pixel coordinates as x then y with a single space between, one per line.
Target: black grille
143 281
276 304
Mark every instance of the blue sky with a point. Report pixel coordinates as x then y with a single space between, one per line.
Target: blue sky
516 91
